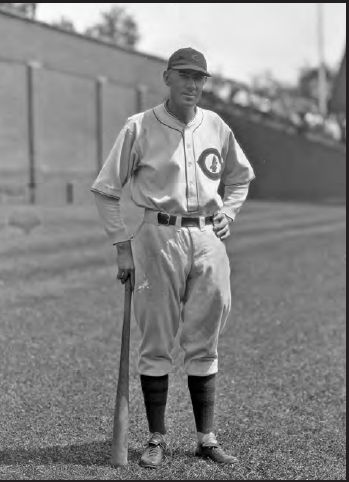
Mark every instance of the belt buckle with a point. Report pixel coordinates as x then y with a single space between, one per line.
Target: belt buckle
201 222
165 218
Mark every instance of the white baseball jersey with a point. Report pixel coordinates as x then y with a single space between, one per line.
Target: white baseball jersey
175 167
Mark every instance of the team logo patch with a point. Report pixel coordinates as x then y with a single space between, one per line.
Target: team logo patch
211 163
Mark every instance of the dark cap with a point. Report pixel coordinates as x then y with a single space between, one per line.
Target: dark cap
188 58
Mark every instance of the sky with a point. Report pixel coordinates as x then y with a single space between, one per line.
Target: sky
239 40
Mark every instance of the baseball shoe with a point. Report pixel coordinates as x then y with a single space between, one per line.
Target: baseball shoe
214 453
153 454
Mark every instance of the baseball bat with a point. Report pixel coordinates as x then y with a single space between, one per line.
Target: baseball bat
119 448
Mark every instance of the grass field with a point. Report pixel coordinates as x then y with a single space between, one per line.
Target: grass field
281 384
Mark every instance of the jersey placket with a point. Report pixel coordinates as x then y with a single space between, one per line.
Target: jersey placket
192 198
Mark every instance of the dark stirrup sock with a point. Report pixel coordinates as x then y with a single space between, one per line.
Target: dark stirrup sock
155 398
202 392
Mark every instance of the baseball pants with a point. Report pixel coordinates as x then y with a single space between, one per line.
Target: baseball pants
181 274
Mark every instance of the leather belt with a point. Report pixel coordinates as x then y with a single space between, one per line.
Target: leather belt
184 221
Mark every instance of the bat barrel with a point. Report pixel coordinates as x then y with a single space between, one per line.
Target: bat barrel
119 450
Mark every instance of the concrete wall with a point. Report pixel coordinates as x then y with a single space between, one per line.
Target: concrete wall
23 39
64 103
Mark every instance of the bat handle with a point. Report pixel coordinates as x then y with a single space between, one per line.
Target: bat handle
119 449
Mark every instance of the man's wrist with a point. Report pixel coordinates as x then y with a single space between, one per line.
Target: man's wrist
228 218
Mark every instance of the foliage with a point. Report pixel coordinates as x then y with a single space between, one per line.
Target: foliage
27 9
116 26
308 81
65 24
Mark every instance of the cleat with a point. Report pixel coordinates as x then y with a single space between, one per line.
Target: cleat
214 453
153 454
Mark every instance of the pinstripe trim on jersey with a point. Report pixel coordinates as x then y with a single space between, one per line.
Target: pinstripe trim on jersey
185 170
186 173
93 189
193 121
201 121
163 123
161 113
170 113
196 171
196 161
240 183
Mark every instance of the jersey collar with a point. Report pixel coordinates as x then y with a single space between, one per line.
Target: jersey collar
165 117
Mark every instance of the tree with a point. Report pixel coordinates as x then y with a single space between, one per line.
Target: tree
26 9
308 81
65 24
116 26
266 84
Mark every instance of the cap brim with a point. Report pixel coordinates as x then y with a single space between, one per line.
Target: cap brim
190 67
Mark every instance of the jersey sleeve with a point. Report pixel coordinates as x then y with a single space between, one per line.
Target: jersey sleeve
109 210
234 197
237 169
236 177
119 164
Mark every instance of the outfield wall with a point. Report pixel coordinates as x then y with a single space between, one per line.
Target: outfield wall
76 115
66 87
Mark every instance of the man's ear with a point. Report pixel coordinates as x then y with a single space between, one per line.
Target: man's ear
165 76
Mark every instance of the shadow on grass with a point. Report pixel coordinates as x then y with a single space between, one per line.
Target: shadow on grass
93 453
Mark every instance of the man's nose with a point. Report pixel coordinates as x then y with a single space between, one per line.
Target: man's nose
191 82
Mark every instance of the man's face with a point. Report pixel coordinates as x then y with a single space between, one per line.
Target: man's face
185 86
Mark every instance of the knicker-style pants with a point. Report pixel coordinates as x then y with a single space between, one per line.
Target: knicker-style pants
181 274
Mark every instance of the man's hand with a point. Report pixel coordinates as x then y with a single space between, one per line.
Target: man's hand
126 268
221 225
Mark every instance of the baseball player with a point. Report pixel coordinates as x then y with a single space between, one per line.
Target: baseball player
175 156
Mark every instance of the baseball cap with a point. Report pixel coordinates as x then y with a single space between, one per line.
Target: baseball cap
188 58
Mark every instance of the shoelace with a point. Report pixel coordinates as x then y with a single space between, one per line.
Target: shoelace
218 450
154 449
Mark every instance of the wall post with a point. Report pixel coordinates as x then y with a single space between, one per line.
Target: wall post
100 83
141 93
30 81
